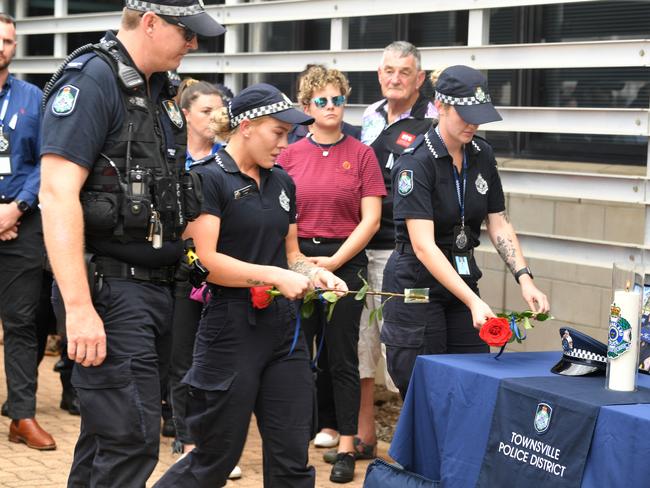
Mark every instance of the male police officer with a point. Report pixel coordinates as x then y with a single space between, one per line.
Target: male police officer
112 155
21 242
389 126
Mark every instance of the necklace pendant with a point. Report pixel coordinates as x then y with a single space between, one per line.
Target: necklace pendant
326 153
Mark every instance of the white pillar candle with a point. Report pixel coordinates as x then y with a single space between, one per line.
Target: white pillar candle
622 370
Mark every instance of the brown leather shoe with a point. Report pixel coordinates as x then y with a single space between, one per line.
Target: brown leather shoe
29 432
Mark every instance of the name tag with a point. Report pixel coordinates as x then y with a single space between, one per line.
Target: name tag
242 192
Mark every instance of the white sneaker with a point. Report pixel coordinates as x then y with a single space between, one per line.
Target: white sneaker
235 474
323 439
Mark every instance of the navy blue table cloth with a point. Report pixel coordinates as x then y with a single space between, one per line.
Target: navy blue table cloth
444 426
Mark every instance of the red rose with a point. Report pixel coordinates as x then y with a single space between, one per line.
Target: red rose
496 331
260 296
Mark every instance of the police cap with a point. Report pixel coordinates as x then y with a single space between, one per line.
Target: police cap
582 355
188 13
466 89
263 99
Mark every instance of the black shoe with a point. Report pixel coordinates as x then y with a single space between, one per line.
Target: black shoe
70 402
343 469
5 410
168 428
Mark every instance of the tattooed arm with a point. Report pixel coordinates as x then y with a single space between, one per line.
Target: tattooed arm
502 234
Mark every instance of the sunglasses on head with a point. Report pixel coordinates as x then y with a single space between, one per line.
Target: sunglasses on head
188 34
337 101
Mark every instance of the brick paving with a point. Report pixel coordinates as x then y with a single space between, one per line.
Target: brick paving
22 467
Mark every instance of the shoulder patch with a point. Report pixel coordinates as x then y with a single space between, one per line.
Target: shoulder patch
173 112
405 182
65 100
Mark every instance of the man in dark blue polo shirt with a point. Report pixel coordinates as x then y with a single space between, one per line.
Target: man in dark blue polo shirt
21 242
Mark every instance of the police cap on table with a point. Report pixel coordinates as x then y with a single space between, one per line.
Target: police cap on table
263 99
582 355
186 13
466 89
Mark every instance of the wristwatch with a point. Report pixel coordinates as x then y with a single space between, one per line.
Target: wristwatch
523 271
23 206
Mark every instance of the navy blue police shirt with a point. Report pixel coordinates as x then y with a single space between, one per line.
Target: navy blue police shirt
424 187
254 220
20 175
94 122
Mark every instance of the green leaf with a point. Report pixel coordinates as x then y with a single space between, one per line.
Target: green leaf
274 292
512 339
330 310
361 294
371 318
542 317
330 296
363 280
527 324
380 313
307 309
503 315
527 314
309 296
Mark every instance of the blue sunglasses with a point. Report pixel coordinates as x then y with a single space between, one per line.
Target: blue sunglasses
321 102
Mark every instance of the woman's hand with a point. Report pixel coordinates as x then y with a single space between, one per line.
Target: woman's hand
326 279
481 311
535 299
292 285
327 262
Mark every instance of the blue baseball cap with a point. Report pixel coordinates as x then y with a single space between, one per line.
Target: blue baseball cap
263 99
466 89
187 13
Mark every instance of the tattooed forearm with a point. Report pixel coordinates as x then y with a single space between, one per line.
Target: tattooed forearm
504 214
506 250
302 266
257 282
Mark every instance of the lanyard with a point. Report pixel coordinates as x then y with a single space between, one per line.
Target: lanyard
459 194
5 106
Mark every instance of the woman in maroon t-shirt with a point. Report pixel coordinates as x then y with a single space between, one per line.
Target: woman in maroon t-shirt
339 189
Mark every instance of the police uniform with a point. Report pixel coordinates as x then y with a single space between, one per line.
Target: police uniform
130 135
246 360
426 185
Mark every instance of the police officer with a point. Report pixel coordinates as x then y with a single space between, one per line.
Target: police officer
445 185
21 243
250 359
113 153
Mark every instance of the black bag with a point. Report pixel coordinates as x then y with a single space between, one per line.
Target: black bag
381 474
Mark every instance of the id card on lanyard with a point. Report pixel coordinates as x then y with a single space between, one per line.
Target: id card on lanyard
5 144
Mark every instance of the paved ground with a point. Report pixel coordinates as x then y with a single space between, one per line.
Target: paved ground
26 468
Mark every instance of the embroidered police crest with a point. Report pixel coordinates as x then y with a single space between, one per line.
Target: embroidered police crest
405 182
284 201
65 100
542 417
481 184
173 112
620 334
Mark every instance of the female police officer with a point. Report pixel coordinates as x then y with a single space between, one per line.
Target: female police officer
245 359
445 185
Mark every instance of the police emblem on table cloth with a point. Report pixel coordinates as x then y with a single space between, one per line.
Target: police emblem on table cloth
65 100
481 184
542 417
173 112
405 182
620 334
284 201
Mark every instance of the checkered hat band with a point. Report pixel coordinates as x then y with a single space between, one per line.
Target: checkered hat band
462 101
256 112
583 354
164 9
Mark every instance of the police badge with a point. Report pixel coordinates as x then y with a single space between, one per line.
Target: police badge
173 112
65 100
479 94
481 184
284 201
405 182
620 334
542 417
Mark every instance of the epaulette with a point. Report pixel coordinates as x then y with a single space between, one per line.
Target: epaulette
79 62
414 145
203 161
476 146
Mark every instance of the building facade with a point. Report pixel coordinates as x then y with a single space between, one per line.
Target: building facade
571 79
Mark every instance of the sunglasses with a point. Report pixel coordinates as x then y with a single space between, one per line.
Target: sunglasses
337 101
188 34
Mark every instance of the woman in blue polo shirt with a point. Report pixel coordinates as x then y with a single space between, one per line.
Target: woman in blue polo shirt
446 185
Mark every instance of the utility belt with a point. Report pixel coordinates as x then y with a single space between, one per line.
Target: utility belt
460 261
407 248
229 292
105 267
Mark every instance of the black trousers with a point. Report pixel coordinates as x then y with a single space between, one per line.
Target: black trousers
242 365
338 383
444 325
187 314
21 273
120 399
